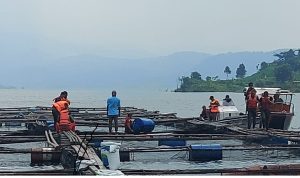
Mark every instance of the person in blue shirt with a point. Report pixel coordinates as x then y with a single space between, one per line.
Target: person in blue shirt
113 110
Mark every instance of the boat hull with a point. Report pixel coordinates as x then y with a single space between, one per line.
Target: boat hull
280 120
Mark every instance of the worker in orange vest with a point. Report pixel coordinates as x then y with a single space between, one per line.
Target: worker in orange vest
252 101
265 107
214 109
65 121
57 105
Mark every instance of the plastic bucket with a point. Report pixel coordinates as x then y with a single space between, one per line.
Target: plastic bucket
143 125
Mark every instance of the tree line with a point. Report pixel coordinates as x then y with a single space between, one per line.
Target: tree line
240 73
281 72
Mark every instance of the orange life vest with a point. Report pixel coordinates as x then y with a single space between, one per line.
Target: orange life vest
252 102
65 99
64 117
214 106
265 103
64 123
60 105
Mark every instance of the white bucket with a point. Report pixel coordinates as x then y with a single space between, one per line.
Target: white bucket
110 154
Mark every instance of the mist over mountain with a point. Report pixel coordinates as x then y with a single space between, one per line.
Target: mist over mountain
38 70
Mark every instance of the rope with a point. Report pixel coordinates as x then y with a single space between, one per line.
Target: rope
76 167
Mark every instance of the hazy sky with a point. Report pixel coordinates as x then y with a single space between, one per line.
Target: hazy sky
147 27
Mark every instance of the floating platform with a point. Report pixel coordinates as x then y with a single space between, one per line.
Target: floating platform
75 147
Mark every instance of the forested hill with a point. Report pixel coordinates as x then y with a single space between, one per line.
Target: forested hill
283 72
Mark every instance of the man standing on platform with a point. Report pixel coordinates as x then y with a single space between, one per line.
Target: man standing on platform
113 111
265 106
248 93
252 108
214 109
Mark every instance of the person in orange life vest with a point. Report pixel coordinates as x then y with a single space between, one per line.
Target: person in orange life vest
214 109
265 105
128 124
56 107
65 121
252 107
248 93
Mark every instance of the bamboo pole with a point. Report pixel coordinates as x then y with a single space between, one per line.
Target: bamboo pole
286 171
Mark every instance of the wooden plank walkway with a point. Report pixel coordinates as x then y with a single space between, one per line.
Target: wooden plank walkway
84 152
225 127
280 169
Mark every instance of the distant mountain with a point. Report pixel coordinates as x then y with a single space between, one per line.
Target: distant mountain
93 71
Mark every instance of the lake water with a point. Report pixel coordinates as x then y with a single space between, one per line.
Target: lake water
184 104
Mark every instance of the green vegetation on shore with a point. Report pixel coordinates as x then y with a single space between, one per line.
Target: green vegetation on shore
283 72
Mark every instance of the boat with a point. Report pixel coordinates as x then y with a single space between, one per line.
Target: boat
228 112
281 112
280 116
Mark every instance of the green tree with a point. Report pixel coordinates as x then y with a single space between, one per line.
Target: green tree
195 75
283 73
208 78
263 65
241 71
227 71
286 55
215 78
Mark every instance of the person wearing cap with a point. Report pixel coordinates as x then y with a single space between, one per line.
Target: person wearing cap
113 110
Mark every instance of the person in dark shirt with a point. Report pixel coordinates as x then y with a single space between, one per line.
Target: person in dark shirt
277 99
204 113
227 101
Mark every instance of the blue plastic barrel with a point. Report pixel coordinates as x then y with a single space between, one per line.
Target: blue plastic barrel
172 142
205 152
276 140
50 122
142 125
